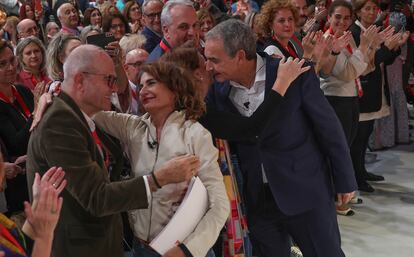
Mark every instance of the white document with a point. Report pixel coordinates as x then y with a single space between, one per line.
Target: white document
185 219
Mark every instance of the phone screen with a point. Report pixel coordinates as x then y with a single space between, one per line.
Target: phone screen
100 40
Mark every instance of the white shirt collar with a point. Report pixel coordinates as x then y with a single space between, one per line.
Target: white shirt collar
260 75
91 123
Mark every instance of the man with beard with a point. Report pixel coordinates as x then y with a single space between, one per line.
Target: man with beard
179 25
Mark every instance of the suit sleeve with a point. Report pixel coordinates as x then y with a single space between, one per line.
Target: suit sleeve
117 124
66 144
329 133
205 234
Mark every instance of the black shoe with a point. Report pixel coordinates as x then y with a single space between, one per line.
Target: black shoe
365 187
372 177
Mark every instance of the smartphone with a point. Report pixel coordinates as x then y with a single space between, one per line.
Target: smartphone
100 40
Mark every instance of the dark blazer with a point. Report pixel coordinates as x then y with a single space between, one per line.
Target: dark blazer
371 83
294 147
14 132
157 52
90 220
152 39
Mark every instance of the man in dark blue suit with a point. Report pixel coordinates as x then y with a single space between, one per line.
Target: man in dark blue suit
179 26
151 16
294 169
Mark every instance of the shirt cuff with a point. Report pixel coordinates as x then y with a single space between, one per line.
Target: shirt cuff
147 188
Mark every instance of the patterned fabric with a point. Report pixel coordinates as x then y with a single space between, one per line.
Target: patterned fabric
11 239
235 235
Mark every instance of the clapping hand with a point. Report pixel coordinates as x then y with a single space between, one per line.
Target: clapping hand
341 42
54 177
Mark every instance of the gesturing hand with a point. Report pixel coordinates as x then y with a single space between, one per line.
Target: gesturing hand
344 198
44 101
178 169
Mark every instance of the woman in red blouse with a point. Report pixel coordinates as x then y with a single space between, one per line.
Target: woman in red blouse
31 55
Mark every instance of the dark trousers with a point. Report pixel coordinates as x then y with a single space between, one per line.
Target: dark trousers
359 147
316 231
347 111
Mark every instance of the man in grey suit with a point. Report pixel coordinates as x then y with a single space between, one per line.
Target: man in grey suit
90 222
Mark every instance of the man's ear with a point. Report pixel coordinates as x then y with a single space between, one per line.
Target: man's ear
165 32
241 55
78 82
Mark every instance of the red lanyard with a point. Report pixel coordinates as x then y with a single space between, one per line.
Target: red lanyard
164 46
26 112
98 142
358 85
134 95
288 48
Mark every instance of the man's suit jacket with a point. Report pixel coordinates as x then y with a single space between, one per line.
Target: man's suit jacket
152 39
294 147
90 221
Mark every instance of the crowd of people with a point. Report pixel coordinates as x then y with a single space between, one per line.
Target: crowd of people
272 104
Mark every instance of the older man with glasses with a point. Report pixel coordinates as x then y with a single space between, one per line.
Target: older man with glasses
90 223
151 16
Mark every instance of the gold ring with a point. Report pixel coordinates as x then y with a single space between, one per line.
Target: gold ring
54 185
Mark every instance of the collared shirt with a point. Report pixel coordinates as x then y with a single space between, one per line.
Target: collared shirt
133 106
92 127
247 100
70 31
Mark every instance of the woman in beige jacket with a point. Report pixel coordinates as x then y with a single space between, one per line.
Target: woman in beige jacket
169 129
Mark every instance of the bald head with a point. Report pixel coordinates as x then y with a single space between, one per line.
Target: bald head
133 61
88 84
84 58
27 28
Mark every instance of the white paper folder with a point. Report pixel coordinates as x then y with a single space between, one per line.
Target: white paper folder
185 219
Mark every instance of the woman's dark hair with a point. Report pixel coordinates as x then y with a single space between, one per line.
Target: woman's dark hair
359 4
128 7
87 16
181 84
185 57
5 44
22 10
107 22
340 3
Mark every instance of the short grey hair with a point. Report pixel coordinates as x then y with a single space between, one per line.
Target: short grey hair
132 41
236 35
146 2
59 10
86 30
166 10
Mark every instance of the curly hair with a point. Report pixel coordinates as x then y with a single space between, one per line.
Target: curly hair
181 84
268 14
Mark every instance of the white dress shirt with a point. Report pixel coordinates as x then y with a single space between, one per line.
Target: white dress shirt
247 100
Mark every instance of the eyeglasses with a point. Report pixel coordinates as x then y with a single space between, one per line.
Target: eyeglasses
153 15
6 63
136 65
110 79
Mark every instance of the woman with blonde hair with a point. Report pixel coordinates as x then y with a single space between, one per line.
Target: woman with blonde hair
31 55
